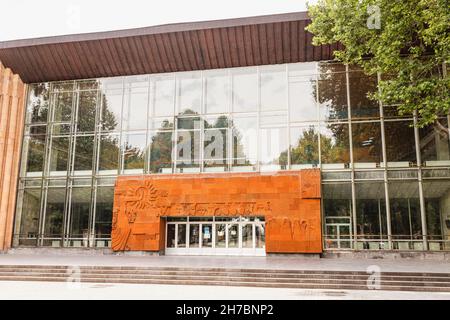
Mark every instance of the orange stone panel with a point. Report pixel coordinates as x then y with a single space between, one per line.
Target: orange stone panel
289 201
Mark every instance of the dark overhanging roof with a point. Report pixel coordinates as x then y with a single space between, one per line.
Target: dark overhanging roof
261 40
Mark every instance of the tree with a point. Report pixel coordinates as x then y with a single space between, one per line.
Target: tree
407 41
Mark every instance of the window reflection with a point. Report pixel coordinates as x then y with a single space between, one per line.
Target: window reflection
302 99
435 143
38 103
28 221
217 92
164 96
87 108
367 144
334 144
63 103
304 146
109 153
371 213
400 154
189 94
245 89
79 216
273 88
111 110
84 152
332 92
134 152
103 212
405 212
54 213
161 152
360 86
59 155
35 146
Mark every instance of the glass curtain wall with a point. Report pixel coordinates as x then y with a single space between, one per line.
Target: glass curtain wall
384 181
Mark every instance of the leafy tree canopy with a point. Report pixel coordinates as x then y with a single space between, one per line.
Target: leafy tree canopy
407 41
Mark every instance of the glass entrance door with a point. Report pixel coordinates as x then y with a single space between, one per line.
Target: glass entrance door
215 236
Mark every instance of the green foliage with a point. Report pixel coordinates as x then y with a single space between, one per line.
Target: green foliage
409 48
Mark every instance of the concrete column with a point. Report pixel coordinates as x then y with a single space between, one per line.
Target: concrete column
12 104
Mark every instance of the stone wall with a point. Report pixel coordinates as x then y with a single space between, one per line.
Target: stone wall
12 104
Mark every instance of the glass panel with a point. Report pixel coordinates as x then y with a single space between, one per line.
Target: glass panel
109 153
247 236
273 88
87 107
334 144
302 99
260 236
405 210
54 213
206 235
135 108
29 210
217 92
371 211
304 145
161 152
244 141
367 143
59 155
112 110
62 106
220 236
332 92
245 90
190 94
360 85
194 235
134 151
273 143
103 211
79 214
233 236
164 97
215 144
437 208
84 151
38 103
188 148
400 142
170 243
435 143
35 153
181 236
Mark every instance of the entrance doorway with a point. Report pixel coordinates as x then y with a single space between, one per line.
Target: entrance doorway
216 236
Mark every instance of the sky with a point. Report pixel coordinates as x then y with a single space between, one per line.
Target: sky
31 18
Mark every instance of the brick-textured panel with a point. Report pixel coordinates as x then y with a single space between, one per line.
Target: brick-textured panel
290 202
12 105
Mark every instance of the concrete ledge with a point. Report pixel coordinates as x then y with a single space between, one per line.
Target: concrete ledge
392 255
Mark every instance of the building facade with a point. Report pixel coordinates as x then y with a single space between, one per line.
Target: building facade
244 140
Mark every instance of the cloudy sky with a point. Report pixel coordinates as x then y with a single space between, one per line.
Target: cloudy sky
51 17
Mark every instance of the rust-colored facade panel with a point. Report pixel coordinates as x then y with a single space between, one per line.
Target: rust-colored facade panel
289 201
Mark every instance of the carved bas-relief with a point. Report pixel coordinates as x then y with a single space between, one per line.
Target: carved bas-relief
289 201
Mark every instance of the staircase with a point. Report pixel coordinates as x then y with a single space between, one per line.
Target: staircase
299 279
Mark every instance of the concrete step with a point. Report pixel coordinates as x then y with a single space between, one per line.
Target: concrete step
200 278
356 280
183 274
303 285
